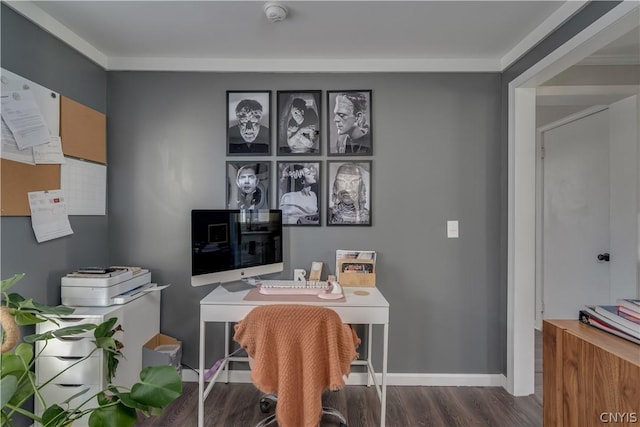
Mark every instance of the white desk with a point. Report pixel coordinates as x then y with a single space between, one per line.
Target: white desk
229 307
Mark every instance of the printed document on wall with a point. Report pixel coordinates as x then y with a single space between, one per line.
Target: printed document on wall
49 215
9 149
23 117
85 186
48 101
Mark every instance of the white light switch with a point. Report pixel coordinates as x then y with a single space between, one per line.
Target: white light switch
452 229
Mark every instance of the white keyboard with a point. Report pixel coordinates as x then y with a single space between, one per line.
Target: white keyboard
293 287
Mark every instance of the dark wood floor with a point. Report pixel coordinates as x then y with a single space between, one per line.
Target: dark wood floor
236 405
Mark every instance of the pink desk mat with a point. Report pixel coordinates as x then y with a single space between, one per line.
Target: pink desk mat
254 295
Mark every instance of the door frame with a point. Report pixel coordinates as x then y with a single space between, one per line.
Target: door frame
521 190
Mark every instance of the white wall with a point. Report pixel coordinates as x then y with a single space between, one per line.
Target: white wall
623 178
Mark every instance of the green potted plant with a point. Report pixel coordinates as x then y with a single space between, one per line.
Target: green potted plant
116 406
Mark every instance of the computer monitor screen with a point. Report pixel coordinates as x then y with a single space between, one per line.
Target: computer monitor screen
229 245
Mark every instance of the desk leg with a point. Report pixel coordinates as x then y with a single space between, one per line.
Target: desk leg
226 352
201 377
369 340
383 397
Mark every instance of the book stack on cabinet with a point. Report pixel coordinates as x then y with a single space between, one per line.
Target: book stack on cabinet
621 319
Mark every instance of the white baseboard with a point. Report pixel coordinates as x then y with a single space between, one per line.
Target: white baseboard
393 379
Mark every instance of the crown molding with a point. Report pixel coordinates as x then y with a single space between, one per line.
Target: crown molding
610 60
314 65
583 95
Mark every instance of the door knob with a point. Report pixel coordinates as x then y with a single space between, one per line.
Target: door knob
603 257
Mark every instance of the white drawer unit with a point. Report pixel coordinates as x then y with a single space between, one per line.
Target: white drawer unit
140 320
66 347
70 370
62 392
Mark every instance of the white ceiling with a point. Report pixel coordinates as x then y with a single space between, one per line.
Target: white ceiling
316 36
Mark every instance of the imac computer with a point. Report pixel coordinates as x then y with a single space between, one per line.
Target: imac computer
230 245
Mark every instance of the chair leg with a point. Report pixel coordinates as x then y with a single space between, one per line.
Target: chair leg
267 402
267 421
331 411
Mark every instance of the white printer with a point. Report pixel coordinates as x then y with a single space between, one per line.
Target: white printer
97 287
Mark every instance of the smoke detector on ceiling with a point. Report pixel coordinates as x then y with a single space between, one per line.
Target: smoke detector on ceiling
275 11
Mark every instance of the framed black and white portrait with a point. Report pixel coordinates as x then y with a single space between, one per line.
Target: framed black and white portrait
248 116
349 123
299 122
299 192
248 185
349 192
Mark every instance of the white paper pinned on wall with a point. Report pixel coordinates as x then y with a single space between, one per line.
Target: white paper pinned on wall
25 120
9 149
49 218
85 187
48 101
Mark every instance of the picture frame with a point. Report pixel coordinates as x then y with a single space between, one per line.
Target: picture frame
349 123
349 189
298 123
248 184
248 123
299 195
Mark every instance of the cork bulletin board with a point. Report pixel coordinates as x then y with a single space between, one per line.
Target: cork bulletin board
20 178
85 133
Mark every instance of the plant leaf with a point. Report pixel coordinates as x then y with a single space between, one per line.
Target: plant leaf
117 415
55 416
24 318
17 365
8 387
106 343
126 400
62 332
160 386
104 329
25 352
29 312
7 283
11 364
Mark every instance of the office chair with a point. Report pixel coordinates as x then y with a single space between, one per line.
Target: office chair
296 352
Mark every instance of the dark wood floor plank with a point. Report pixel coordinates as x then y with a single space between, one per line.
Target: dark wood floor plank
236 405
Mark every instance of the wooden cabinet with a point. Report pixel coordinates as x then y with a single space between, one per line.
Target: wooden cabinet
140 320
590 377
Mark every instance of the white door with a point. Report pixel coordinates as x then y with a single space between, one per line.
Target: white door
576 223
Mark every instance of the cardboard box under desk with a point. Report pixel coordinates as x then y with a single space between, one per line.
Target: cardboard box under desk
162 350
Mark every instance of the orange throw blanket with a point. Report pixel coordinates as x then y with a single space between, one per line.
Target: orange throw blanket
299 351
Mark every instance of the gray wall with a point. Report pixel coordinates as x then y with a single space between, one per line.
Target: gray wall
32 53
437 146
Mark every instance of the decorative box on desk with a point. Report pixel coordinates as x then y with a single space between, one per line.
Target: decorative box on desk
356 268
590 377
140 320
